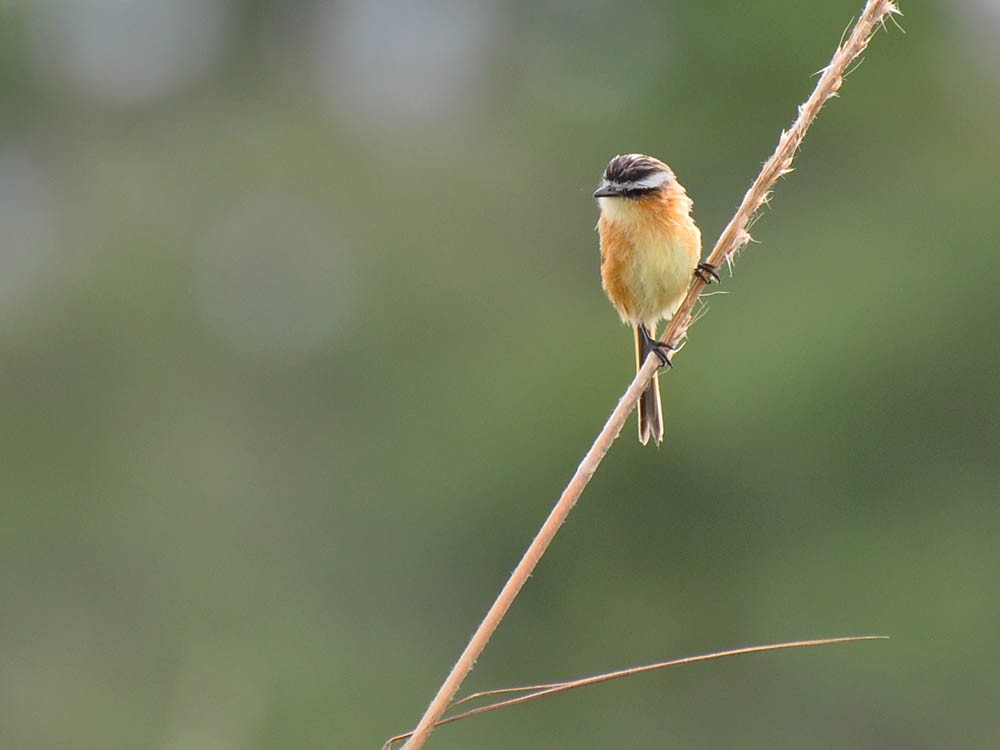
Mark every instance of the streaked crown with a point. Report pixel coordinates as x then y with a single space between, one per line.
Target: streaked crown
632 176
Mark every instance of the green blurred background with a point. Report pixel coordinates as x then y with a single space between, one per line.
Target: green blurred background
302 333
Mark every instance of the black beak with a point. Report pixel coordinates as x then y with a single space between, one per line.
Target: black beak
606 190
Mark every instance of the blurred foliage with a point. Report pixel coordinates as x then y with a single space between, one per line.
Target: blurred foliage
302 334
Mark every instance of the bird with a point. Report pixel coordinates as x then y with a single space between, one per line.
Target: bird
650 249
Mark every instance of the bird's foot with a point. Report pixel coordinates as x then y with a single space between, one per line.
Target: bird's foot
659 348
707 273
661 351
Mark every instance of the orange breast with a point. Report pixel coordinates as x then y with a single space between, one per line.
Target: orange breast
616 260
649 248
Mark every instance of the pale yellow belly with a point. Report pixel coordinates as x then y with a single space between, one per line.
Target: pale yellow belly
657 276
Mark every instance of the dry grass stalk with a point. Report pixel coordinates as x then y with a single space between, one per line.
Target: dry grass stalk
533 692
732 239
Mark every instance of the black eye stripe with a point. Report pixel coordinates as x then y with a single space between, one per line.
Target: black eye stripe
636 192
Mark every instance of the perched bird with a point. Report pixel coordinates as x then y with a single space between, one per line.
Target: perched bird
650 247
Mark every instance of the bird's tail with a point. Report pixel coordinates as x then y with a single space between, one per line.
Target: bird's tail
650 410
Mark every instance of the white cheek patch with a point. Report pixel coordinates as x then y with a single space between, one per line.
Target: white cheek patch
655 180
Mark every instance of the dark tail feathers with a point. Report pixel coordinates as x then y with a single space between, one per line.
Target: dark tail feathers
650 409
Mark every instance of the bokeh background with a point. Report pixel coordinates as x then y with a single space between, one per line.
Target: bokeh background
301 333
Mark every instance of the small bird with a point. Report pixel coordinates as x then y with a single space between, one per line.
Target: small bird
650 247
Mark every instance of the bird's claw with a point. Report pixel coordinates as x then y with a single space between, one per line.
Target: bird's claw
659 348
707 273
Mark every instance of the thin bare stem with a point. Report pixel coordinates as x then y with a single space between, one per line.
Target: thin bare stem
541 691
527 564
733 237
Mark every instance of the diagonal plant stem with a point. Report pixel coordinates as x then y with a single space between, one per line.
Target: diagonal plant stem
734 237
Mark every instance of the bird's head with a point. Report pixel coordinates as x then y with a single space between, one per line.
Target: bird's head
632 176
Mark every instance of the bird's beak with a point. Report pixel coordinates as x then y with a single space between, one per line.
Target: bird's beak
606 190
